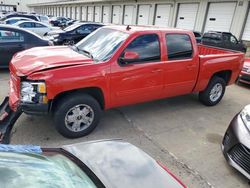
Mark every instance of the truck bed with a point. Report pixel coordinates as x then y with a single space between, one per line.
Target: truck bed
211 50
213 59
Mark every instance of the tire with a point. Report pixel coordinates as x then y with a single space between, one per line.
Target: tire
77 115
209 97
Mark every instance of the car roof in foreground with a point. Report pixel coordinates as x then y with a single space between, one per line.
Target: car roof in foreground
120 164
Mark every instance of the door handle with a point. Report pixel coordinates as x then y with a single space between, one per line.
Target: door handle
156 70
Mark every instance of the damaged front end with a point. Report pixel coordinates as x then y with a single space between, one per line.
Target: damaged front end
8 118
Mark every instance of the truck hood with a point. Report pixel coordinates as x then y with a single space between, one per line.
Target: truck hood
41 58
120 164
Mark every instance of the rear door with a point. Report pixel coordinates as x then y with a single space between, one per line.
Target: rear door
11 42
182 66
142 79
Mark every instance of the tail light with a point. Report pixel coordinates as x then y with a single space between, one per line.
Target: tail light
170 173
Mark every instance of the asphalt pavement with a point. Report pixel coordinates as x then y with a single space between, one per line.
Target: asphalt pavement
179 132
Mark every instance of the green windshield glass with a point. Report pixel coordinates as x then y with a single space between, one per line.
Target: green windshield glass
19 170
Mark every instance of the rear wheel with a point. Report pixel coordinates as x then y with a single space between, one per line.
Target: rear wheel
214 92
77 115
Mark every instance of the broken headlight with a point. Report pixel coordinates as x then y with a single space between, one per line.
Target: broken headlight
33 92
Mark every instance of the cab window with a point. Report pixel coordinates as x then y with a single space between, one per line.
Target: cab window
179 46
147 47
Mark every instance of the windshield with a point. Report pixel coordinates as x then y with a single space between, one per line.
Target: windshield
102 43
34 170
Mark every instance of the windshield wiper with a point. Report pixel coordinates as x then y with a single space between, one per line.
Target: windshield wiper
85 52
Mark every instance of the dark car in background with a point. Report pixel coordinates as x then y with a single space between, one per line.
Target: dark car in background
13 40
59 21
236 142
96 164
73 34
223 40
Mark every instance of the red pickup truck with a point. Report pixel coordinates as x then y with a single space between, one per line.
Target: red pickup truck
114 66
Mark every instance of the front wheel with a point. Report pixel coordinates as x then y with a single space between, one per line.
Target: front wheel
77 115
214 92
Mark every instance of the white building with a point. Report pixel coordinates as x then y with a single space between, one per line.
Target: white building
198 15
17 5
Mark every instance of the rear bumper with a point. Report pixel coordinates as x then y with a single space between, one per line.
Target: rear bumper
236 146
8 118
244 77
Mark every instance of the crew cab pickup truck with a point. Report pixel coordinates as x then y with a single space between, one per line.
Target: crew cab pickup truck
114 66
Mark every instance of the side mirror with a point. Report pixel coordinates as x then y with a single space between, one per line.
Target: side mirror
129 57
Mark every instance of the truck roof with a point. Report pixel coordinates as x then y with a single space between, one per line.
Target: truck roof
136 28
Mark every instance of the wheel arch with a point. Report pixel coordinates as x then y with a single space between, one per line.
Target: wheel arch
95 92
224 74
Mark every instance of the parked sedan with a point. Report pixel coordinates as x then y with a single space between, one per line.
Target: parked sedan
102 164
244 76
36 27
74 33
14 39
57 21
236 142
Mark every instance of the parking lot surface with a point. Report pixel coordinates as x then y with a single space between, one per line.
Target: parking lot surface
180 132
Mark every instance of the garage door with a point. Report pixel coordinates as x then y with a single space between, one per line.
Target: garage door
97 14
162 15
116 14
73 12
106 14
84 13
69 12
128 14
220 16
246 33
143 15
187 16
90 13
78 13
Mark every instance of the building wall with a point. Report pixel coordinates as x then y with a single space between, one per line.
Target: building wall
21 5
237 25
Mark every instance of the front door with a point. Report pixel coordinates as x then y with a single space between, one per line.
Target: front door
141 79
